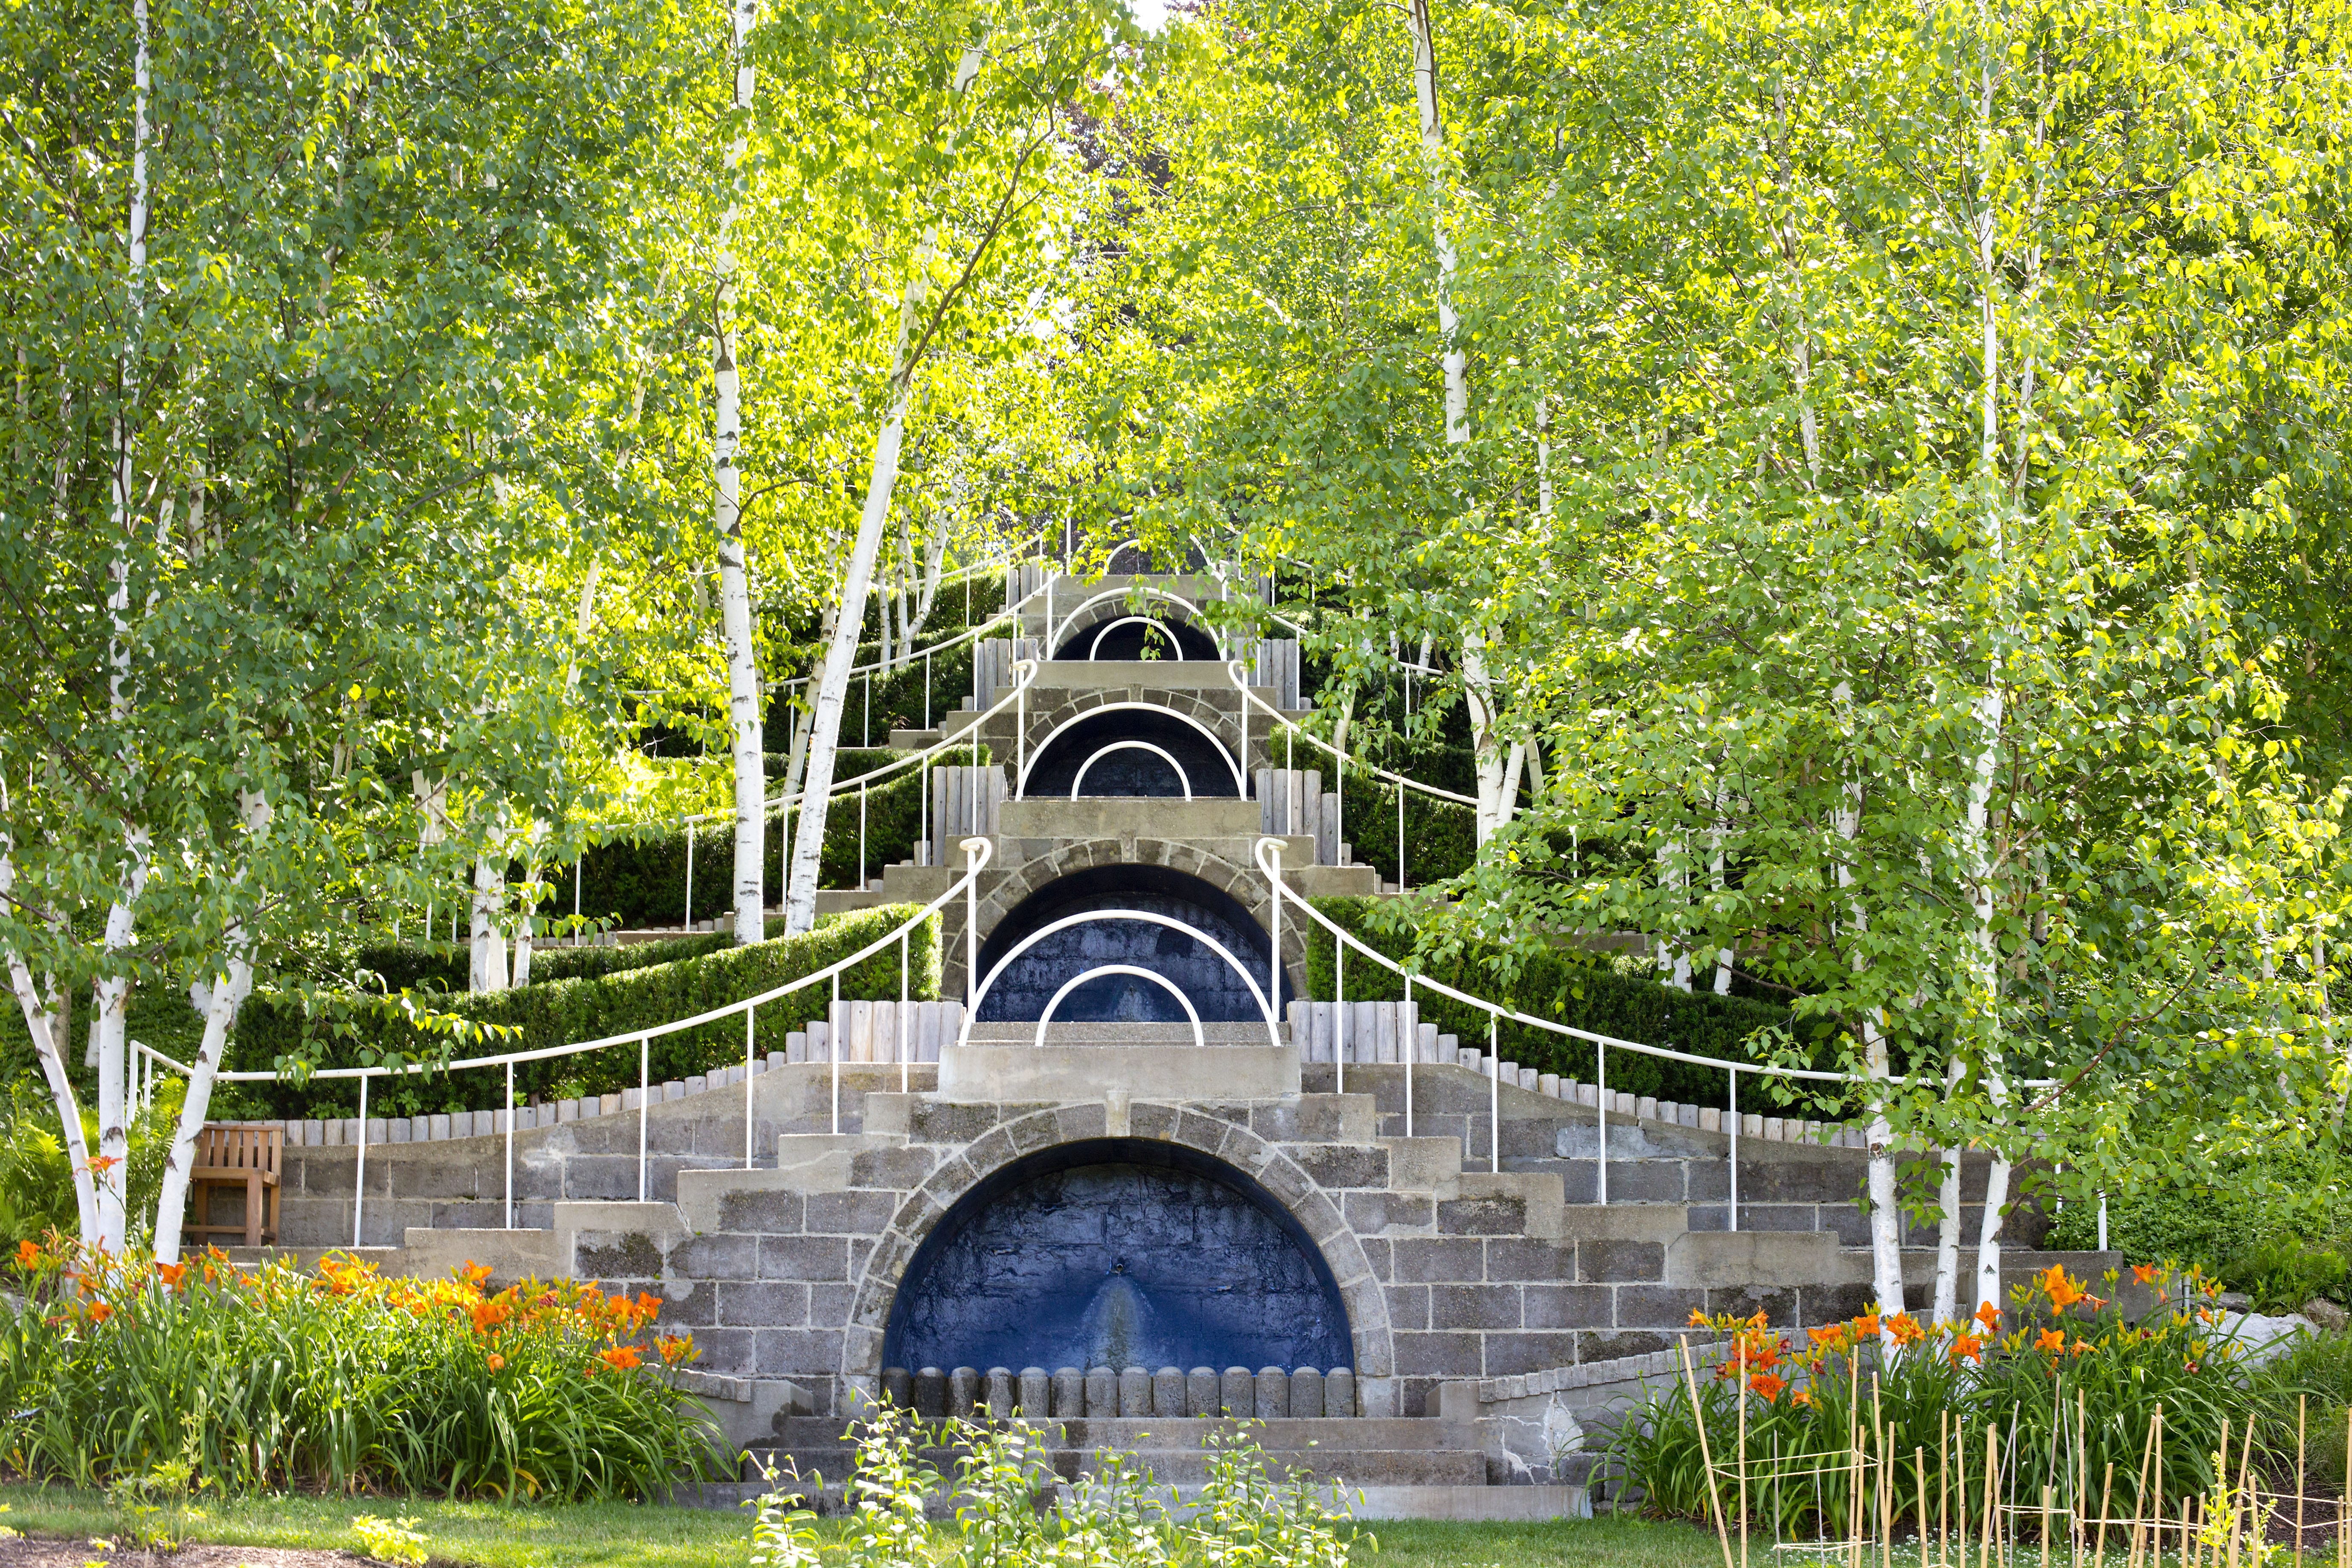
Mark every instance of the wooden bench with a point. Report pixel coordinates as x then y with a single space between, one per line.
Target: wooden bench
231 1156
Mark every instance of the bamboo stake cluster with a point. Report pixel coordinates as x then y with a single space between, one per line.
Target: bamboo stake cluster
2014 1513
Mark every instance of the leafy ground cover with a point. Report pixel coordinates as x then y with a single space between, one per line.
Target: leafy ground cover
590 1535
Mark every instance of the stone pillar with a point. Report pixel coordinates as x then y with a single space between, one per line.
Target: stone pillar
1273 1392
1069 1394
1035 1398
932 1394
898 1387
1339 1392
1168 1391
1234 1394
1102 1391
1001 1392
1200 1390
1135 1392
963 1390
1306 1392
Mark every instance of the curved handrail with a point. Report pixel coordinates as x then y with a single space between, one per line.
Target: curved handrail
1251 698
979 852
1098 971
1182 778
1020 784
980 994
1093 649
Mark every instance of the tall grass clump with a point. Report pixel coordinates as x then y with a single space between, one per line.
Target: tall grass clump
111 1367
2064 1381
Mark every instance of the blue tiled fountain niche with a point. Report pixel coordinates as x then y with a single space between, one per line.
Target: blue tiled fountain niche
1220 995
1117 1253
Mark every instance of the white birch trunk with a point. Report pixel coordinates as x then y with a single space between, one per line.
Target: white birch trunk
488 970
40 1011
1485 738
218 1001
113 1076
746 739
1947 1235
841 650
1885 1216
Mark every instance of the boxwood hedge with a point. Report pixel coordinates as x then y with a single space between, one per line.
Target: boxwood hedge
274 1027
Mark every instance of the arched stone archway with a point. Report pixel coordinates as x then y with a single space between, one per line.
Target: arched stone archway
1229 1143
1245 885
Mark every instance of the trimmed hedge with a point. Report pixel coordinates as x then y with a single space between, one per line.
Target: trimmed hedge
418 966
1572 987
642 882
272 1026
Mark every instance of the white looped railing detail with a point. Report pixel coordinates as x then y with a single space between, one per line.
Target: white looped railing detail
1143 917
1100 970
1183 779
1093 649
1059 630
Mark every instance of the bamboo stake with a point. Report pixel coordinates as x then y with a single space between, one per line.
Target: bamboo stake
1991 1488
1943 1495
1698 1417
2301 1415
1741 1393
2082 1475
2139 1492
1919 1468
2241 1500
2222 1480
2106 1500
2045 1524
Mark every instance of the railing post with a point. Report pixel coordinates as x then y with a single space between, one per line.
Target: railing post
644 1082
577 862
1400 832
1020 734
1495 1092
927 679
1601 1103
359 1182
861 837
1274 953
1412 1052
750 1055
1339 1013
689 873
970 930
509 1117
1735 1148
866 741
905 1082
931 855
833 1038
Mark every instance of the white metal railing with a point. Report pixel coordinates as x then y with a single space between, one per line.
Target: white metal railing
1140 917
978 852
1093 649
1025 766
1269 853
1183 780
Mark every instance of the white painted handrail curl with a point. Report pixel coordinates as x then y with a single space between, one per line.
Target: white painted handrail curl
1098 971
1182 778
1093 649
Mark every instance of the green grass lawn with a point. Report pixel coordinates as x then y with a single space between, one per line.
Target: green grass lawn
584 1535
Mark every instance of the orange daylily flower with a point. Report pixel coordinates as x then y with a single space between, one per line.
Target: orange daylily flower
1866 1326
1698 1318
1803 1396
487 1315
675 1348
100 1311
620 1358
1967 1347
99 1164
498 1363
1906 1329
1768 1385
2145 1273
475 1274
2052 1341
1990 1316
170 1273
28 1254
2062 1293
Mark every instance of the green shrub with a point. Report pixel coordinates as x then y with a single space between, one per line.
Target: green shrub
2270 1226
424 966
640 881
1570 988
274 1027
274 1379
37 1196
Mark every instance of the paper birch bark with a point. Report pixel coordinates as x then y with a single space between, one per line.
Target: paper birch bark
1886 1216
219 1000
841 650
746 741
38 1003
